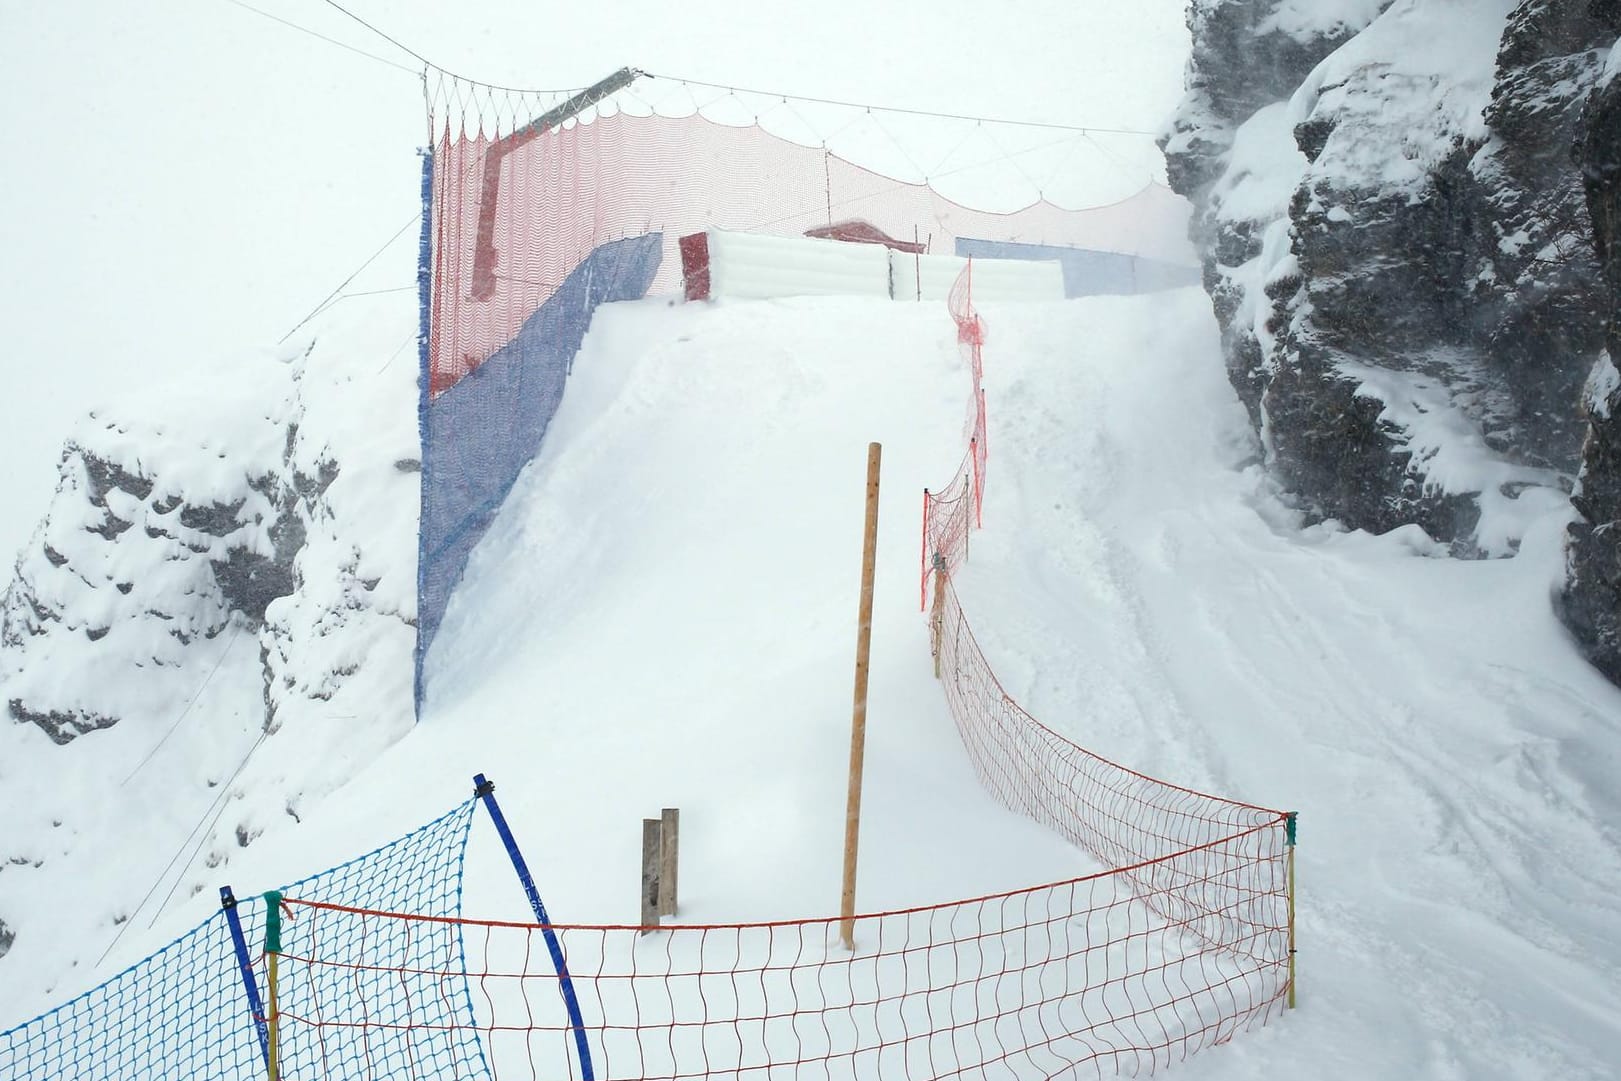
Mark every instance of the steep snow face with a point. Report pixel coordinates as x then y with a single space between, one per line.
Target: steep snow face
222 561
1426 221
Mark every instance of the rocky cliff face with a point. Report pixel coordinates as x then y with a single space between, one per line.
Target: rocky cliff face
1397 244
1592 597
214 619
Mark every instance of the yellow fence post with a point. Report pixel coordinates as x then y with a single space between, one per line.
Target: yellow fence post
1289 839
272 1012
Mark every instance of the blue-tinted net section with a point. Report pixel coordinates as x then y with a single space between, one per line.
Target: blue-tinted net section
183 1012
1091 273
478 435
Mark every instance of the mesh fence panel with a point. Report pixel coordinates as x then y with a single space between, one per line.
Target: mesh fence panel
183 1012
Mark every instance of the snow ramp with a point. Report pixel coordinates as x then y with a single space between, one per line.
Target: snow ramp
662 615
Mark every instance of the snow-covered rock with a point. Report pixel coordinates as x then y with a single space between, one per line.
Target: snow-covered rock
1398 249
232 559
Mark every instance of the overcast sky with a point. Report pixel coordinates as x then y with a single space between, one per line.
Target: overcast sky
185 179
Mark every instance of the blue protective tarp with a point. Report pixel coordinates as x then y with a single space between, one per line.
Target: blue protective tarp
1090 273
478 435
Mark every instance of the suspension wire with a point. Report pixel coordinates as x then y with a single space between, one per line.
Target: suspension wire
386 37
221 801
369 261
224 791
429 63
323 37
236 628
1085 129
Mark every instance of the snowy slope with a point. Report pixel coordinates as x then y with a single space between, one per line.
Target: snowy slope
664 615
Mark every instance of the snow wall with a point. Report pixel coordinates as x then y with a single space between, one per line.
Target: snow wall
478 435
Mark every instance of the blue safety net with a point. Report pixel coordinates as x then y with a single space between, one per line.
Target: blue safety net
184 1012
479 434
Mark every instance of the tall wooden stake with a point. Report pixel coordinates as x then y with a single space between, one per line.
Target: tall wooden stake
858 724
669 859
650 875
937 617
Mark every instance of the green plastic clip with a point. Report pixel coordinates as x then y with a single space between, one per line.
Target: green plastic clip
273 921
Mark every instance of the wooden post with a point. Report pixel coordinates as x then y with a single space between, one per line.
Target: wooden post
669 858
272 1019
937 617
650 874
273 900
1290 839
858 723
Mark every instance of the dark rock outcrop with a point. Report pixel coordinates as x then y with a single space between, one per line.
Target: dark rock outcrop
1397 246
1591 603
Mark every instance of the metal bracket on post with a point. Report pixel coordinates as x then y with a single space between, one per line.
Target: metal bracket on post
484 789
256 1010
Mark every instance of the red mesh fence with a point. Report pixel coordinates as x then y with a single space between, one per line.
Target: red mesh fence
1084 976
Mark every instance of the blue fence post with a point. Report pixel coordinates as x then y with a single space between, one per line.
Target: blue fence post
484 789
256 1010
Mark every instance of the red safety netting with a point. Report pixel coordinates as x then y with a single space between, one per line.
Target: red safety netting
513 215
951 512
1085 975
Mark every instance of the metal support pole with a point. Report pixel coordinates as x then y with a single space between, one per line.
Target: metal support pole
256 1010
485 790
1289 838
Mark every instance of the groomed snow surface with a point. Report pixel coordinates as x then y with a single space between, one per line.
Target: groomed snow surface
664 615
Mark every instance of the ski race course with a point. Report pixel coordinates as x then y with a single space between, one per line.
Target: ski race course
663 615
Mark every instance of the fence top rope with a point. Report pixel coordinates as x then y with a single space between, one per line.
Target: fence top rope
1276 815
811 921
495 110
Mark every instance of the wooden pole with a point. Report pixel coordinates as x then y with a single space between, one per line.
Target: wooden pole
937 618
669 859
273 899
650 874
1290 837
858 723
272 1020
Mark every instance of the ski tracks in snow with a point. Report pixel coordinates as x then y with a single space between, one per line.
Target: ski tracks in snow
1447 748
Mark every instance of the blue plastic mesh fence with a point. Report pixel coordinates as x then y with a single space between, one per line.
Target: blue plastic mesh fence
183 1013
